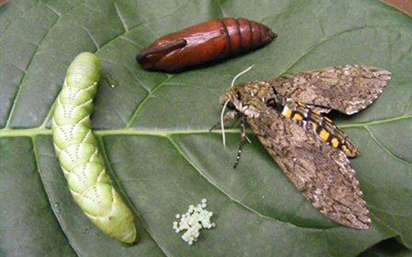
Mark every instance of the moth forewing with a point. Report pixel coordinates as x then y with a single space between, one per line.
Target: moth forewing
322 173
347 89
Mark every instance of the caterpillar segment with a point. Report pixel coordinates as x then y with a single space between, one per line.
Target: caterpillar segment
78 153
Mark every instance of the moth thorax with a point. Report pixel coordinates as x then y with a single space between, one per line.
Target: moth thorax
277 102
289 112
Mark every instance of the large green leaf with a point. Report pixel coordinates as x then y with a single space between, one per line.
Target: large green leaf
153 128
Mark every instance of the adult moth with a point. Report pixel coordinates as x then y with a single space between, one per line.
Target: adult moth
77 150
287 115
204 42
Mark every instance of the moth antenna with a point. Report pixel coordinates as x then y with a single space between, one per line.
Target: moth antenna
222 123
240 74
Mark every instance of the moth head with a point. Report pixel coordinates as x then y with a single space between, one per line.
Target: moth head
231 98
245 94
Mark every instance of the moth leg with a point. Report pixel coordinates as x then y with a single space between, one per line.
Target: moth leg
230 115
214 126
243 138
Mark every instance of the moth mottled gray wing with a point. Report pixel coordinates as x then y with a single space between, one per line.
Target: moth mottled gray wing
322 173
347 89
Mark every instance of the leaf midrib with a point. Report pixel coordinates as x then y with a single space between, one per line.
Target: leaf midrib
32 132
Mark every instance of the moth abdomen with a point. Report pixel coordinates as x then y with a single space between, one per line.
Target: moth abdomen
322 126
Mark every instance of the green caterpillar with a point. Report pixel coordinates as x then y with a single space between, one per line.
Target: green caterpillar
78 153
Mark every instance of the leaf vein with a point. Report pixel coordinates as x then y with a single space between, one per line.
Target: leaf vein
91 37
386 149
318 44
143 102
121 17
62 228
116 181
22 81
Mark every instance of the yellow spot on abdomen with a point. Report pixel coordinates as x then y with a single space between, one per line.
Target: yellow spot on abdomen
345 149
297 117
324 135
287 112
335 142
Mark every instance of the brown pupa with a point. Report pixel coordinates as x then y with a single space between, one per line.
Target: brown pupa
203 43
